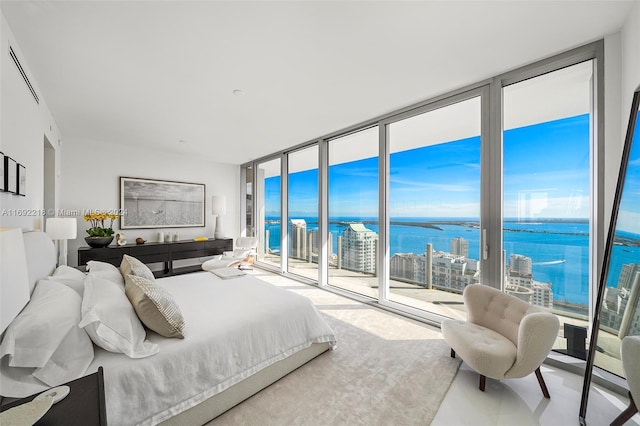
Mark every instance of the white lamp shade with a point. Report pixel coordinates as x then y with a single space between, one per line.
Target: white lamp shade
62 228
14 285
219 205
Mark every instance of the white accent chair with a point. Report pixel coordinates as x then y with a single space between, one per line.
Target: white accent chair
242 255
630 352
503 337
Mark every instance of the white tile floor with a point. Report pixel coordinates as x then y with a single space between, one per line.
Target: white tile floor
520 401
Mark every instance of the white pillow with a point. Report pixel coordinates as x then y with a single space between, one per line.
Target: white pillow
44 342
110 321
132 266
237 253
106 271
212 263
70 277
155 306
241 253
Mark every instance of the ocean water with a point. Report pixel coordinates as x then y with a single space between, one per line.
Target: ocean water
559 250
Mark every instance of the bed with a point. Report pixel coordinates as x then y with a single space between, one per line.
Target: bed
240 335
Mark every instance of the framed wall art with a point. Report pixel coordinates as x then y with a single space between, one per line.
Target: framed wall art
10 175
3 185
150 203
22 180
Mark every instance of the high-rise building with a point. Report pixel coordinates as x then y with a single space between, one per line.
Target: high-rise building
453 272
313 244
359 246
542 294
298 239
520 283
621 311
459 246
520 264
408 267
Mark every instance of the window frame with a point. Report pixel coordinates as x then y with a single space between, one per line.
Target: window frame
491 186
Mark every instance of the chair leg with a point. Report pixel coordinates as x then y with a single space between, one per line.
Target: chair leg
453 353
483 381
543 385
629 412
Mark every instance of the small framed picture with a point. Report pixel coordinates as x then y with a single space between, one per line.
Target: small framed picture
22 180
10 175
3 185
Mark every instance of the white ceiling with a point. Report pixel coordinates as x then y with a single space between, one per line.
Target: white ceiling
151 73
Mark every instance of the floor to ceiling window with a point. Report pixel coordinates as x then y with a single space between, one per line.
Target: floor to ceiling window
493 184
248 211
353 212
547 192
302 224
268 211
434 206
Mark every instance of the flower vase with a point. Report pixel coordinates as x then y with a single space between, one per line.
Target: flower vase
98 242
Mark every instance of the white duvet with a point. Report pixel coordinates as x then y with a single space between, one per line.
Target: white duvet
234 328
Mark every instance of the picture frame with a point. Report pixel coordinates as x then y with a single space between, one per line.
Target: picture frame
3 184
152 203
10 175
22 180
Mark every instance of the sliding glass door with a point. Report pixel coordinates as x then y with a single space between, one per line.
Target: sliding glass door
547 193
302 224
268 211
434 206
353 212
496 184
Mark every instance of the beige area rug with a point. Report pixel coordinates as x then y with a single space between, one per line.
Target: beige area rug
386 370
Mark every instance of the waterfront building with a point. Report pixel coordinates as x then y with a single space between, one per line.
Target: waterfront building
520 264
621 312
523 293
459 246
408 267
453 272
448 271
520 283
313 247
542 294
358 249
298 239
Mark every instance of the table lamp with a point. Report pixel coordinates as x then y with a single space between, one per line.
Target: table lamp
219 209
62 229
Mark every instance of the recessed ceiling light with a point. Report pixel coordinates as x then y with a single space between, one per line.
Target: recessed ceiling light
238 92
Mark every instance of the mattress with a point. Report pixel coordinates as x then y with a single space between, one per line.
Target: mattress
234 328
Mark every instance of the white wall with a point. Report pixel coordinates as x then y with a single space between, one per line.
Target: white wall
90 180
23 126
622 74
630 60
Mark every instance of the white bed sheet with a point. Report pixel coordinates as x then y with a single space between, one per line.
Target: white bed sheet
233 328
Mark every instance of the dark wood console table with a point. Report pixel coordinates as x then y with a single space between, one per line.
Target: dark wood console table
158 253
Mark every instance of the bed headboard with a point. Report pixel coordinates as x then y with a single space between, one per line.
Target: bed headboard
41 256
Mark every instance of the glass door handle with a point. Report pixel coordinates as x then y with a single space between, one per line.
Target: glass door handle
485 246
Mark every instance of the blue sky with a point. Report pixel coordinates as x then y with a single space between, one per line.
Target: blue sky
546 175
629 213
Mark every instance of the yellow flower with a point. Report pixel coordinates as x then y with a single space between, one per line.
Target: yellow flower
98 228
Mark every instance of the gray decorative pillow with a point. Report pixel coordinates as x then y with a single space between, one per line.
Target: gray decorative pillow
155 306
132 266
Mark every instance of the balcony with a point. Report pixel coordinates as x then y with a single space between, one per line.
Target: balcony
444 303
